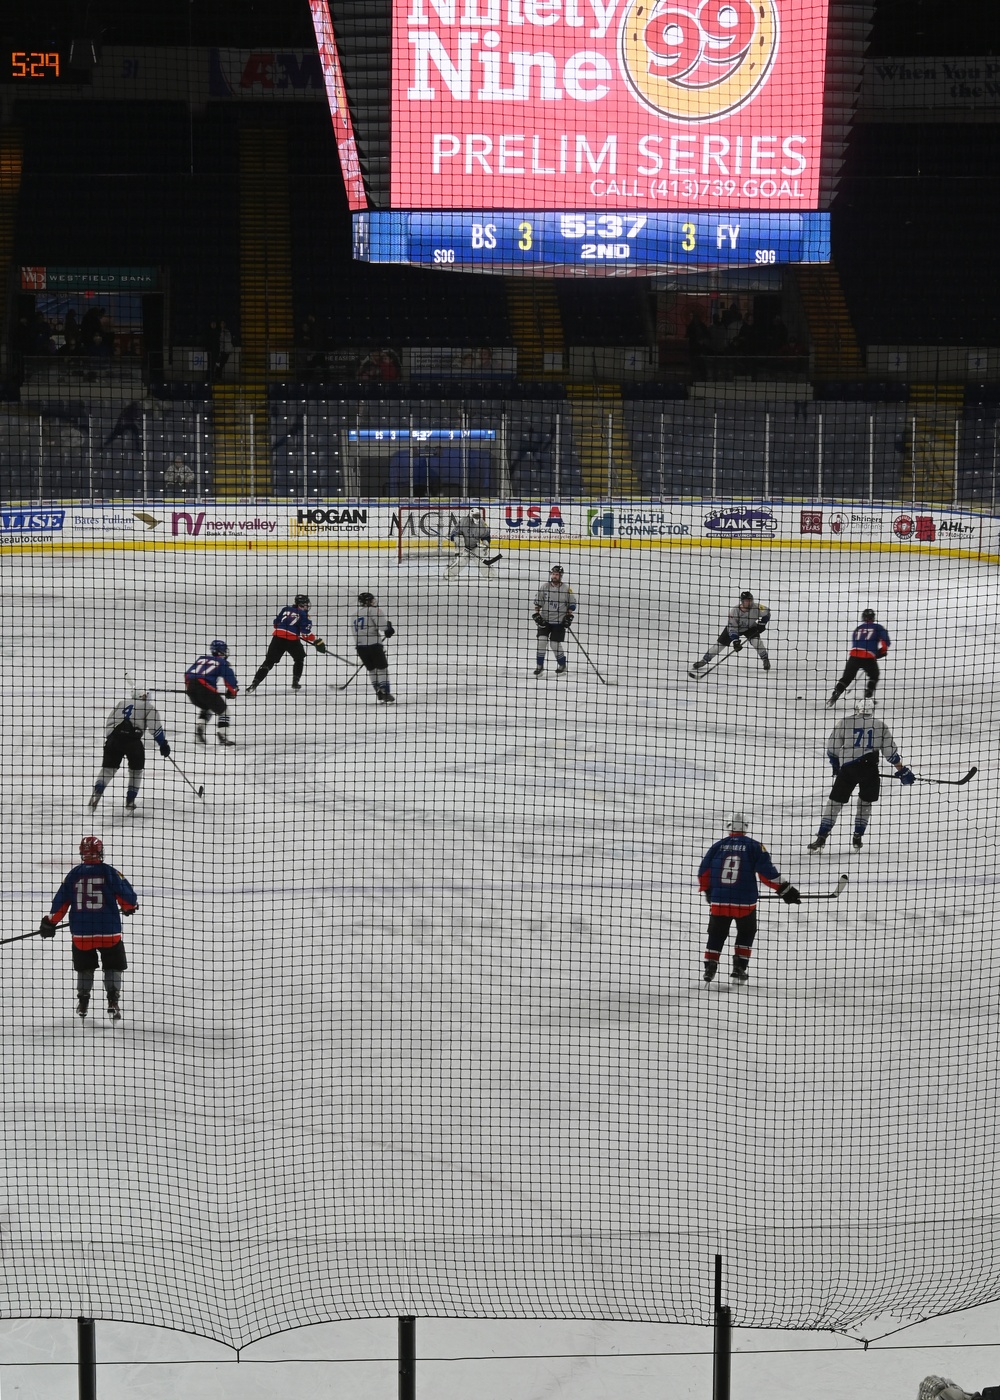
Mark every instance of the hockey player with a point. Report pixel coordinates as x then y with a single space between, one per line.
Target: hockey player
869 641
95 895
123 731
555 609
727 876
853 750
200 684
292 627
471 538
746 623
370 628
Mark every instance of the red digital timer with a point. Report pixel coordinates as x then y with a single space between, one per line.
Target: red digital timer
33 63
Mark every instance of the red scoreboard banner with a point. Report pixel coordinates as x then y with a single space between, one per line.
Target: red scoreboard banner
577 104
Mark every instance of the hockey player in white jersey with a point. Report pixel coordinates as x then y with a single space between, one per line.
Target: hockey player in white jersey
123 731
369 629
746 623
555 608
471 538
853 750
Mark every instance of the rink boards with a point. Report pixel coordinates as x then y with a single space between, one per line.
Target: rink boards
514 524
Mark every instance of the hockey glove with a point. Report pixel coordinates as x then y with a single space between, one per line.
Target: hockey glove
537 620
834 762
906 776
754 631
47 928
390 631
737 644
165 749
789 893
127 913
320 645
568 620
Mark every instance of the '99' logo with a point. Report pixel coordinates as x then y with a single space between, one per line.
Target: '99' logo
697 62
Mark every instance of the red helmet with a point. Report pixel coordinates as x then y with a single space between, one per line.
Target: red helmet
91 850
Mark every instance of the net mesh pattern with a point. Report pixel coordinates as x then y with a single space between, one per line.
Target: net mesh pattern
414 1021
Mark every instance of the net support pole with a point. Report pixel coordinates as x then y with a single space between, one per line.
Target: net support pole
715 455
305 457
409 454
90 457
407 1358
722 1356
954 490
197 456
558 455
662 441
145 462
767 456
913 462
464 455
41 455
993 481
871 459
819 456
610 458
86 1352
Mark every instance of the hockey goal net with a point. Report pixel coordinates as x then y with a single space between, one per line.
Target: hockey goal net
422 532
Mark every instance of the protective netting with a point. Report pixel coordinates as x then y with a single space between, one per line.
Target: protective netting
414 1020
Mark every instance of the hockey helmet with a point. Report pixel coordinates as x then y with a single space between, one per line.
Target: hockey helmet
367 600
91 850
219 648
868 615
557 569
738 822
865 707
301 600
746 596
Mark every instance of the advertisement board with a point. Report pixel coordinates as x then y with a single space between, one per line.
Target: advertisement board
622 104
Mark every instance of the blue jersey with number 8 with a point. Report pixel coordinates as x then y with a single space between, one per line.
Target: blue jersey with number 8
729 871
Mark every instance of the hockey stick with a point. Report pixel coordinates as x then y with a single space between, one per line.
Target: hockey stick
328 652
943 782
490 562
700 675
198 791
351 678
841 885
949 782
33 934
576 639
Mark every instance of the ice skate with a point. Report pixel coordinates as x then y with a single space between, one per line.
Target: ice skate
83 1005
741 970
130 807
561 668
114 1010
711 968
818 843
833 700
199 733
226 742
252 687
95 799
857 843
385 696
296 685
539 670
766 664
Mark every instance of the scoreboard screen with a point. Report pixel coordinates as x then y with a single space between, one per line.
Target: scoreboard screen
619 242
591 104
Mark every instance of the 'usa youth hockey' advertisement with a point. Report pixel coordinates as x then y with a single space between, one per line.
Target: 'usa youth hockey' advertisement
590 104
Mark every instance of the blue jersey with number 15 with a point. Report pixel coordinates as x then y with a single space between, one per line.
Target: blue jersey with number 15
729 870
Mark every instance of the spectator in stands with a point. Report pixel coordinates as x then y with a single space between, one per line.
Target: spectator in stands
129 425
380 365
99 346
717 338
225 349
748 340
71 327
41 336
91 324
732 319
70 346
697 339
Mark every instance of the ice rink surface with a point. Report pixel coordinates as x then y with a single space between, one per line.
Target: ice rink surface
414 1019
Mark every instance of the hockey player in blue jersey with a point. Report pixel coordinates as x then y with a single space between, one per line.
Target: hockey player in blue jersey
869 642
95 896
727 876
200 685
292 627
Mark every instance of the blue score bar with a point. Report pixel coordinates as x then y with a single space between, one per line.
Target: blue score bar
592 241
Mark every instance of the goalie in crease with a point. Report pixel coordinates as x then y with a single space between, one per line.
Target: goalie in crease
471 538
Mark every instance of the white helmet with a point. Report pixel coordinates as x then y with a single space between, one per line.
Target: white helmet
865 707
738 822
